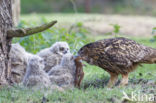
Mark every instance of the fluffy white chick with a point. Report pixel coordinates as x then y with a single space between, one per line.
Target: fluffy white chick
53 55
64 74
19 60
35 75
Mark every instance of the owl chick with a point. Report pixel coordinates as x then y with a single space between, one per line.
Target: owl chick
19 59
64 74
35 75
52 56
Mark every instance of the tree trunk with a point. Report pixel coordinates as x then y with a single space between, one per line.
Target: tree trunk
87 6
16 11
5 23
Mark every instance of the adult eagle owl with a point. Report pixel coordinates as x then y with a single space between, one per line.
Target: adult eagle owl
117 56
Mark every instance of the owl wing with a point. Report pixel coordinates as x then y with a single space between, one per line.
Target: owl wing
120 52
125 54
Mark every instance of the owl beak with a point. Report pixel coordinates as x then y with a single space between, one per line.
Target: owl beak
77 56
65 52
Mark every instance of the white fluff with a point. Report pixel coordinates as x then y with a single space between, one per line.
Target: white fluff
52 56
35 75
19 59
64 74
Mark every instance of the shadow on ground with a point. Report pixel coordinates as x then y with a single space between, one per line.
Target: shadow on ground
147 85
97 83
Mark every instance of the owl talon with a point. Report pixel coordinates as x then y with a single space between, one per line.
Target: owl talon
124 80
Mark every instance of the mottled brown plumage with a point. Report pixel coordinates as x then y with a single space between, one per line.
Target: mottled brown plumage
117 56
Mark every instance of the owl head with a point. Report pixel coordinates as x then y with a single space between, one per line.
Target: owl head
17 53
60 48
35 63
84 52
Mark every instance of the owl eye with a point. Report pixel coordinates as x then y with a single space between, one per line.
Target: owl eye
41 61
62 49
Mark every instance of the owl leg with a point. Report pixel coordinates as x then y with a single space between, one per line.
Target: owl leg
113 79
124 80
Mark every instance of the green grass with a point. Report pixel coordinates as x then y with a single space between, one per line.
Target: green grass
93 88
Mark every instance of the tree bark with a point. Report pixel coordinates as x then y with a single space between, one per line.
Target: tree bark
16 11
5 43
7 32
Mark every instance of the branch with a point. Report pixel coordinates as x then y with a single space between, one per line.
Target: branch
29 31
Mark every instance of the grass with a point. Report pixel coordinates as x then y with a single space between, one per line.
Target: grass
93 88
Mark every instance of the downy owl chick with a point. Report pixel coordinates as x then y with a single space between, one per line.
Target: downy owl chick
53 55
19 59
64 74
35 75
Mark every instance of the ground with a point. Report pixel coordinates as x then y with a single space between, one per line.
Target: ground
142 82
